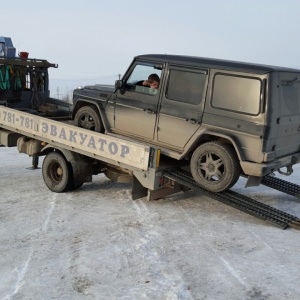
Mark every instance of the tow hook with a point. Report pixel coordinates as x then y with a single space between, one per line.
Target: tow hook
289 171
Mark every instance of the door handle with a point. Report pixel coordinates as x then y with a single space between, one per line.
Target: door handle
192 121
149 111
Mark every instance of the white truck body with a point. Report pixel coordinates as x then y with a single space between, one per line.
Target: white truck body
83 141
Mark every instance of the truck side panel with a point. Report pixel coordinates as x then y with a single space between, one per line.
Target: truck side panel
92 144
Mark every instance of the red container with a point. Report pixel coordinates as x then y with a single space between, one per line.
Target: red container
23 54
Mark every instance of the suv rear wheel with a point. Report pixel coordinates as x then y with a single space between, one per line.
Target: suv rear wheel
215 166
88 117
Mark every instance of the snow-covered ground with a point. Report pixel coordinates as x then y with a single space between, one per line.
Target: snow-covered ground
96 243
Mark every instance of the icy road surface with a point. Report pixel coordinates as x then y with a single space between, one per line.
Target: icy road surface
96 243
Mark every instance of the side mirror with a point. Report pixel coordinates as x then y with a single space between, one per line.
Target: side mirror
118 84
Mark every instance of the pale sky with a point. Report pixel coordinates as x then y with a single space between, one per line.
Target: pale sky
94 40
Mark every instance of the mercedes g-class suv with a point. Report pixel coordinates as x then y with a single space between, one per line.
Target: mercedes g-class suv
225 118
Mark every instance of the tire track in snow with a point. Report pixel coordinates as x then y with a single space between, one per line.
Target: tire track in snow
171 281
21 271
224 262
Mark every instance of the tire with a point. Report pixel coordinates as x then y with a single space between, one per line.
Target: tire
88 117
56 172
215 166
73 187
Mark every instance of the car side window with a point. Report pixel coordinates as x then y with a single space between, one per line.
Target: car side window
237 93
141 79
186 86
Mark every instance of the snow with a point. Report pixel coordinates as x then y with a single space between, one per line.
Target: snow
96 243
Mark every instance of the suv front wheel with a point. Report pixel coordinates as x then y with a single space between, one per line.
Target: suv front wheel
88 117
215 166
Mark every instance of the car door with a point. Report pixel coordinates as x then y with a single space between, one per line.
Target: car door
136 105
181 105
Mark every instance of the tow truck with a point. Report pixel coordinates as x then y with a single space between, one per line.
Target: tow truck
73 154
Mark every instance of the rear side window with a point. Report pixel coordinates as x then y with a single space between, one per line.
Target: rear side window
186 86
238 94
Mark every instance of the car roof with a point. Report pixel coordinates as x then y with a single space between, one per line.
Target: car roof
214 63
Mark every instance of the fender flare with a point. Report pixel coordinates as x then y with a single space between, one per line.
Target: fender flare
229 138
83 102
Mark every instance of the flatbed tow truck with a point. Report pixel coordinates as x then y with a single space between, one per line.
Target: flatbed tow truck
73 155
41 126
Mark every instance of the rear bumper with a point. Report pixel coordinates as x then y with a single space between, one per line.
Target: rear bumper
262 169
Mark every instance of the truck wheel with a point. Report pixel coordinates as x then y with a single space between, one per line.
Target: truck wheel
56 172
215 166
88 117
72 186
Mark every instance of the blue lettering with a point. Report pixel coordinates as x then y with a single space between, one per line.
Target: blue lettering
83 138
72 136
102 143
124 150
91 143
53 130
113 148
62 134
44 127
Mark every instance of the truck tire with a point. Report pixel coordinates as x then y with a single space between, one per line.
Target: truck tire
56 172
88 117
73 187
215 166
